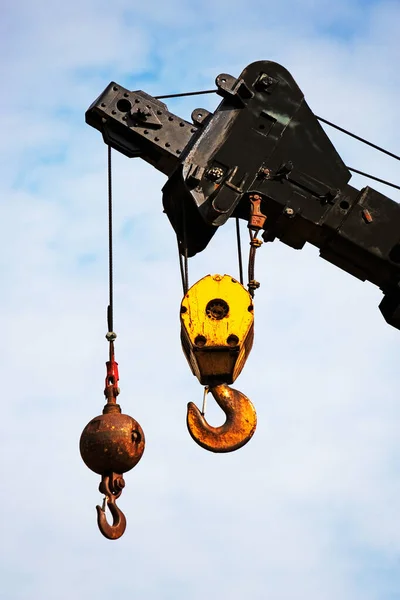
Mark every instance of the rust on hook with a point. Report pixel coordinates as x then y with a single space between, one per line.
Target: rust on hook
238 429
111 486
117 529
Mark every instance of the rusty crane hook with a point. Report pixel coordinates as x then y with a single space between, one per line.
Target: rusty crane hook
111 490
240 424
116 530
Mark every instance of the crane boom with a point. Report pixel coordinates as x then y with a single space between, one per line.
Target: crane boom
262 139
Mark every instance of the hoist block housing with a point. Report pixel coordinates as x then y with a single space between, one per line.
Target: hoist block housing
217 328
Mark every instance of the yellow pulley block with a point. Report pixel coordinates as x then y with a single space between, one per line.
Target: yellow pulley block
217 328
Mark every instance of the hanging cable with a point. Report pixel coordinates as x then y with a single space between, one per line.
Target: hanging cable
345 131
239 250
393 185
185 94
255 225
255 243
185 256
111 336
183 260
181 267
360 139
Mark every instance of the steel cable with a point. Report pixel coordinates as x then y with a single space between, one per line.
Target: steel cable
345 131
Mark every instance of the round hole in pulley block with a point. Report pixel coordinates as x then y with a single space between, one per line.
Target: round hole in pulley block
217 309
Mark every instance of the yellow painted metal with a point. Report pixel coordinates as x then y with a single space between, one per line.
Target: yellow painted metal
217 328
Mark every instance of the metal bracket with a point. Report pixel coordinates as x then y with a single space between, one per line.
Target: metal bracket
262 139
233 89
139 125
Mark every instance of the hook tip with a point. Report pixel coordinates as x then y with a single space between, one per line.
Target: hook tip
117 529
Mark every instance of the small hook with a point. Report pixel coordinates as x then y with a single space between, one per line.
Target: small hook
239 427
116 530
111 486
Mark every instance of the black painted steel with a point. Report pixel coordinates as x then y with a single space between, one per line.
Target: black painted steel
262 139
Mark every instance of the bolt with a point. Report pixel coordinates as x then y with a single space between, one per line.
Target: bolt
142 113
200 341
214 173
289 212
232 340
265 81
367 216
119 483
265 173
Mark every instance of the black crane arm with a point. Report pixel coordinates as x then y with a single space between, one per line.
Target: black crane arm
262 139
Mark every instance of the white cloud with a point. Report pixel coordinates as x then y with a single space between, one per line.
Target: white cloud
301 509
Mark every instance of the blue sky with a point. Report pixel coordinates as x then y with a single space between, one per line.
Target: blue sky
310 507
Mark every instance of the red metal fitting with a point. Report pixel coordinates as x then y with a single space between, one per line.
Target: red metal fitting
112 376
257 218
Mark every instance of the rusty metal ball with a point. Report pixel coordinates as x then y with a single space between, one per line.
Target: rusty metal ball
112 442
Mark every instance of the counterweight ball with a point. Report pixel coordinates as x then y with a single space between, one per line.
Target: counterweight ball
112 442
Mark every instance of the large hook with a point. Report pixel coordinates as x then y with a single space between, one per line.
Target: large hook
111 490
240 424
